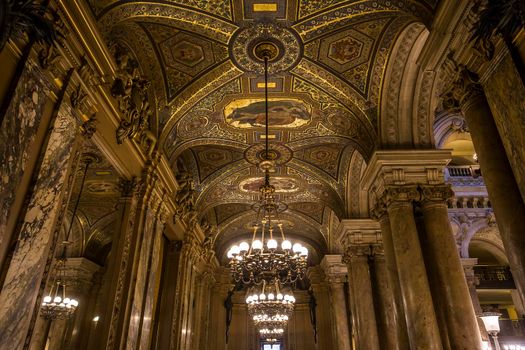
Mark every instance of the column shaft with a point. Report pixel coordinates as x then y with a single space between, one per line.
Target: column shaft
22 135
113 308
363 312
19 296
497 173
386 309
341 320
422 326
389 270
443 260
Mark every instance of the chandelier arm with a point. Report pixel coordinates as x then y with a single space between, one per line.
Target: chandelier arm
262 235
280 225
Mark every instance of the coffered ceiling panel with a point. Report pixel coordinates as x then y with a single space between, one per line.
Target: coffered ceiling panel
208 91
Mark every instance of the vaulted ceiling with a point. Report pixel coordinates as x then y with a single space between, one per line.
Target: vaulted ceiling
207 86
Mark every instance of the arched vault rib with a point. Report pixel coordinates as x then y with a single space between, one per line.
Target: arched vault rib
336 17
196 91
240 146
189 19
332 85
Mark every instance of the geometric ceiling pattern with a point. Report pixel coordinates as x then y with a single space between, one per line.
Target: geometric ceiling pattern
208 92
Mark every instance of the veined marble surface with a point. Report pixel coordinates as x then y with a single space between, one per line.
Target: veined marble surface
508 110
17 134
22 282
140 282
153 287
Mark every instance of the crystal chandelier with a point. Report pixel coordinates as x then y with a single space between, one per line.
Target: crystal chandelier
270 309
265 257
57 304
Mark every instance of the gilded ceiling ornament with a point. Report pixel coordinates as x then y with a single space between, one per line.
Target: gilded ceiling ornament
283 43
278 153
325 21
184 18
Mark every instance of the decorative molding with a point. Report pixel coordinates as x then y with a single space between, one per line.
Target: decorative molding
334 268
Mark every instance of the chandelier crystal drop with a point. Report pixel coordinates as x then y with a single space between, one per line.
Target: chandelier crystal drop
267 256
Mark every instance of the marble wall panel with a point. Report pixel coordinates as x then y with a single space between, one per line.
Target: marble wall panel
506 96
23 279
153 287
122 257
140 281
17 135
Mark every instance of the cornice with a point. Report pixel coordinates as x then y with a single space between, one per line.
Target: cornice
359 232
403 167
334 267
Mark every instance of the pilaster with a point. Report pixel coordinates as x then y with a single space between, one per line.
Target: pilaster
336 276
360 238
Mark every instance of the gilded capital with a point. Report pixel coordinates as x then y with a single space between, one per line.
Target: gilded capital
436 193
464 90
401 193
357 251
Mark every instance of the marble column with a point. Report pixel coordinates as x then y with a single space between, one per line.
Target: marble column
323 311
113 308
201 323
423 331
387 280
472 281
138 288
443 262
182 325
336 275
217 334
22 134
153 281
19 298
363 312
501 184
169 284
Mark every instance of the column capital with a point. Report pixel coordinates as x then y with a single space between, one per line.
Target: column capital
393 174
435 194
334 268
359 231
464 90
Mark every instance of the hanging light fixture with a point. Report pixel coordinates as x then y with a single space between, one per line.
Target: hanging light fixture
270 308
266 257
57 304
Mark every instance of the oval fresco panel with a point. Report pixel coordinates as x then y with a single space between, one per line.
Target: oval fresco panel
283 113
281 184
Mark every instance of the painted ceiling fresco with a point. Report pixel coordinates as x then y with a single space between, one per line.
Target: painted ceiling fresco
208 88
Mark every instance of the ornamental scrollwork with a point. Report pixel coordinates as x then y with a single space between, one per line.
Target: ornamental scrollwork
440 193
400 194
88 128
131 93
463 90
185 199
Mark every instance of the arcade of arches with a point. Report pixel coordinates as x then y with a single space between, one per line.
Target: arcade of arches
132 130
